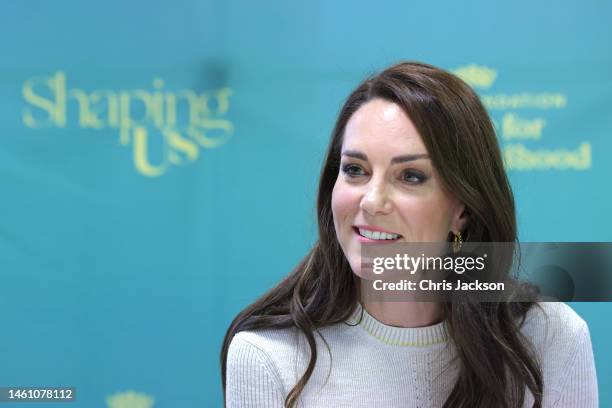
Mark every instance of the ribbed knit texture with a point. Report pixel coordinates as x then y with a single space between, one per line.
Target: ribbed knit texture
377 365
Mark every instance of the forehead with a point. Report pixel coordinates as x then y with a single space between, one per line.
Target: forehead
382 126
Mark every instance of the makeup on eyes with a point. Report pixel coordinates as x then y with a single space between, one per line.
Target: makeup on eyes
408 175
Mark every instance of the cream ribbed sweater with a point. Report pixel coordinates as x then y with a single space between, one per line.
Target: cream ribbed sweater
376 365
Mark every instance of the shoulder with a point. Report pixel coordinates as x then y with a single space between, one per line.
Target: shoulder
554 322
555 314
263 343
253 375
285 353
288 342
266 342
268 353
561 341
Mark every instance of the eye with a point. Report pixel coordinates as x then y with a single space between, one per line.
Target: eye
353 170
413 177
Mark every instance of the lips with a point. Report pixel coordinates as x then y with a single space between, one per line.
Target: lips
375 234
373 228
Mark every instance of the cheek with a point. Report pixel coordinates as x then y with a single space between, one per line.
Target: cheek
426 218
344 203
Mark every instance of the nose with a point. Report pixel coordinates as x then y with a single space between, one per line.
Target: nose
375 200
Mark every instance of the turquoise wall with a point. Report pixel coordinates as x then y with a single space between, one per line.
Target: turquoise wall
159 162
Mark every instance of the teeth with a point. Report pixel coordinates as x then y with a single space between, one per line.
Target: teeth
377 234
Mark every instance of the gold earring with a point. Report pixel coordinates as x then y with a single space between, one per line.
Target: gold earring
457 242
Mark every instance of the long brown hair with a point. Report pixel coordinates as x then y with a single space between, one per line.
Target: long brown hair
496 363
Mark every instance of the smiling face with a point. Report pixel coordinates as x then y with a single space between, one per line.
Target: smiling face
387 189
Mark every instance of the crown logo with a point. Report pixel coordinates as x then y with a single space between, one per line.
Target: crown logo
477 76
129 399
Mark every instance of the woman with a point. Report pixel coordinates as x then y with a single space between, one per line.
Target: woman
413 158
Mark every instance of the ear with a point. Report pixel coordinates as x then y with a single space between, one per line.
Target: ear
460 219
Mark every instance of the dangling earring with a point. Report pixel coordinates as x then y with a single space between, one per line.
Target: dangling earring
457 242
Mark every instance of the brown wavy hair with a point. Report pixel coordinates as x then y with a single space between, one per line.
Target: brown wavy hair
496 362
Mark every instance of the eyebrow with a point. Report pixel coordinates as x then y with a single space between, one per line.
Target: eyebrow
398 159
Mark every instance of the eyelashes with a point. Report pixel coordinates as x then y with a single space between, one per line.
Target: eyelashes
352 170
413 177
408 176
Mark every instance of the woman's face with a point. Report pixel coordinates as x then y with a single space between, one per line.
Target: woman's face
387 189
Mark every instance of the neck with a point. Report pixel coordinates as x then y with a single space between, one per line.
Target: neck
404 314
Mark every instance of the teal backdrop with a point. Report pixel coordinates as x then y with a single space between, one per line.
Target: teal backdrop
159 163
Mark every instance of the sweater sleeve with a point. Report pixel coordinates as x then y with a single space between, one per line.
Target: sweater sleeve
578 388
251 378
